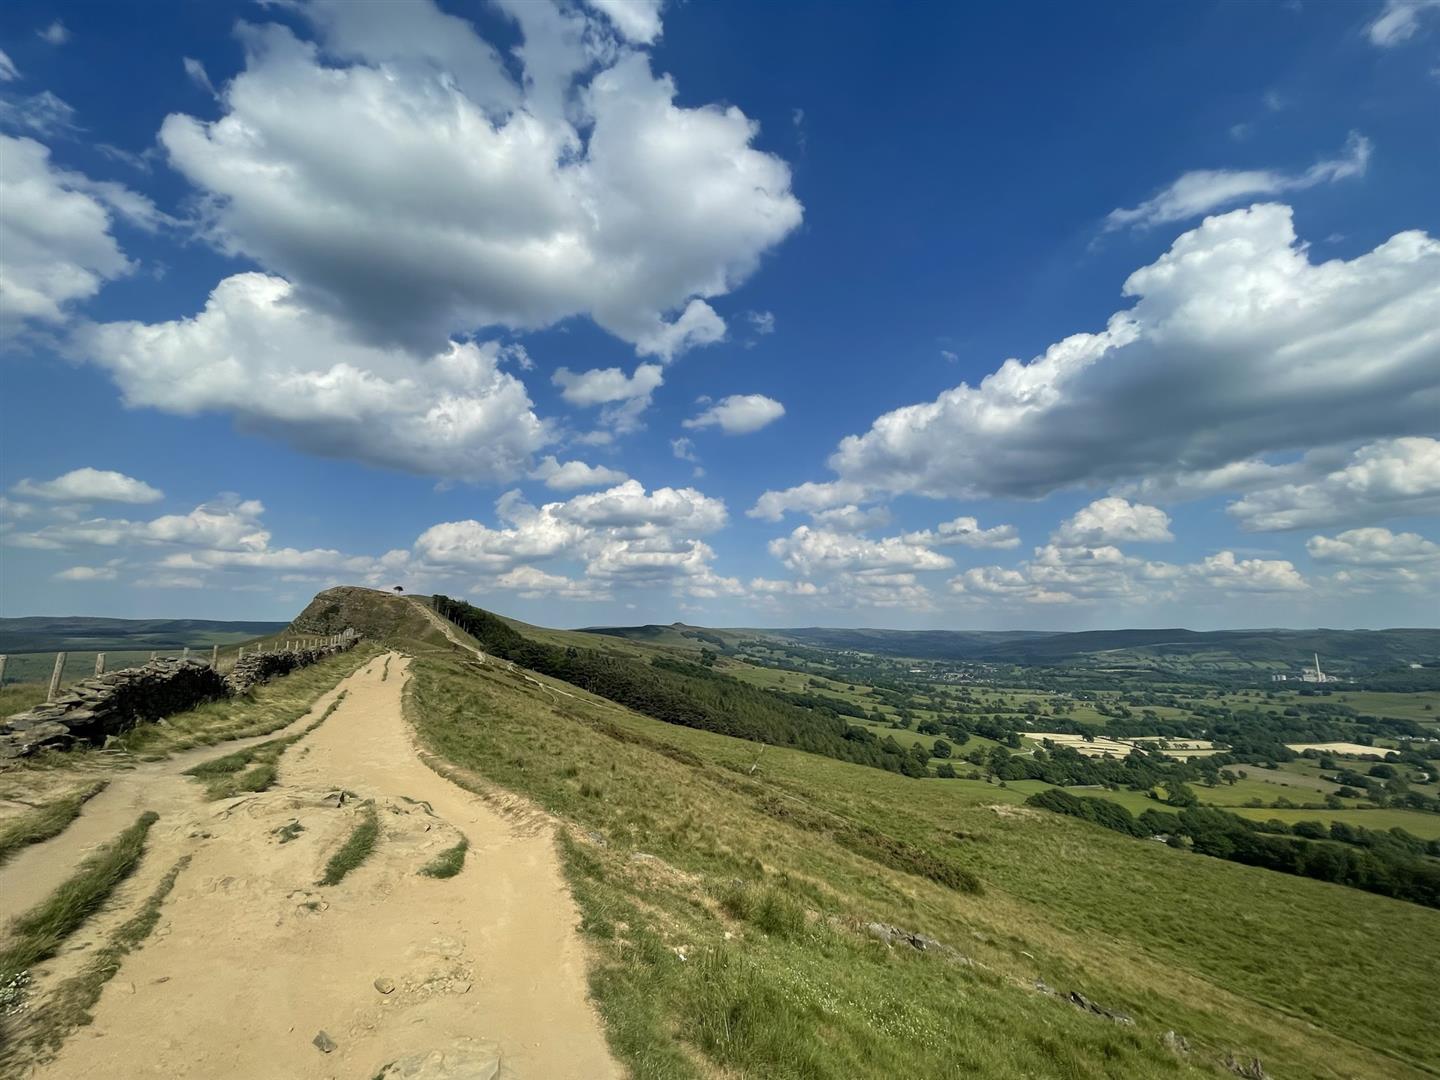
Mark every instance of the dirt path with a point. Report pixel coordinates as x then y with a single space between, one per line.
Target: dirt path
252 959
448 629
444 626
34 872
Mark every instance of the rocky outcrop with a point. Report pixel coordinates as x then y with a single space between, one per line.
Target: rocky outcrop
467 1059
892 935
111 704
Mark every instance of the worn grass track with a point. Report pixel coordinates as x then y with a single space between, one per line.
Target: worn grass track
356 849
44 821
254 768
449 862
68 1007
39 932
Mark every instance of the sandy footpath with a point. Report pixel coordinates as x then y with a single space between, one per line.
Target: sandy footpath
252 959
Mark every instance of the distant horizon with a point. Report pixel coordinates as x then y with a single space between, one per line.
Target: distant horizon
777 628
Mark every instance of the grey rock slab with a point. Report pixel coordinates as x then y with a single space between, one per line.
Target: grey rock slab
464 1060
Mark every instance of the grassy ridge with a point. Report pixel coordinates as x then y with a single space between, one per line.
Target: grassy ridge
664 821
687 694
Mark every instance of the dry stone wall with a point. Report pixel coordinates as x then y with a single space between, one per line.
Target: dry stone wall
250 671
111 704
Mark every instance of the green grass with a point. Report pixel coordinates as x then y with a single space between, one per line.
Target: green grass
1424 706
701 858
19 696
356 849
37 934
68 1007
267 708
449 862
45 821
1415 822
255 768
35 668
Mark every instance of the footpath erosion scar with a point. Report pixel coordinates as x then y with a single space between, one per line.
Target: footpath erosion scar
255 969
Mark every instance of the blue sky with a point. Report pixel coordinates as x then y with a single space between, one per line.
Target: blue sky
942 316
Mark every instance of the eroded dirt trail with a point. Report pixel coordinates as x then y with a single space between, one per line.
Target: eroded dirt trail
252 958
161 786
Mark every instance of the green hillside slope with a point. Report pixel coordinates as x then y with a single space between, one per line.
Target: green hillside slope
760 916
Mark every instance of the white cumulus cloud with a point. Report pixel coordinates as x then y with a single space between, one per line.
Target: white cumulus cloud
90 485
624 537
637 20
1113 520
1389 478
399 175
56 236
739 414
1373 546
576 474
297 373
810 550
1237 346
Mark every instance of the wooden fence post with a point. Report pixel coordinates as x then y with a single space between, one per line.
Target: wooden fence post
55 677
99 663
186 654
2 669
215 656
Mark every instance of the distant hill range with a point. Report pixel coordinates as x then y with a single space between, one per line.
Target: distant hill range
79 633
1340 651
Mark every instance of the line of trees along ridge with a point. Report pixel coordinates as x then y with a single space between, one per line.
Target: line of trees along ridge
688 694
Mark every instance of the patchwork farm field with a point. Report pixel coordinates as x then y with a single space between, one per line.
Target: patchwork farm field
1347 748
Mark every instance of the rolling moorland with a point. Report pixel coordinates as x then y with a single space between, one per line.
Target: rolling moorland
30 643
805 858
